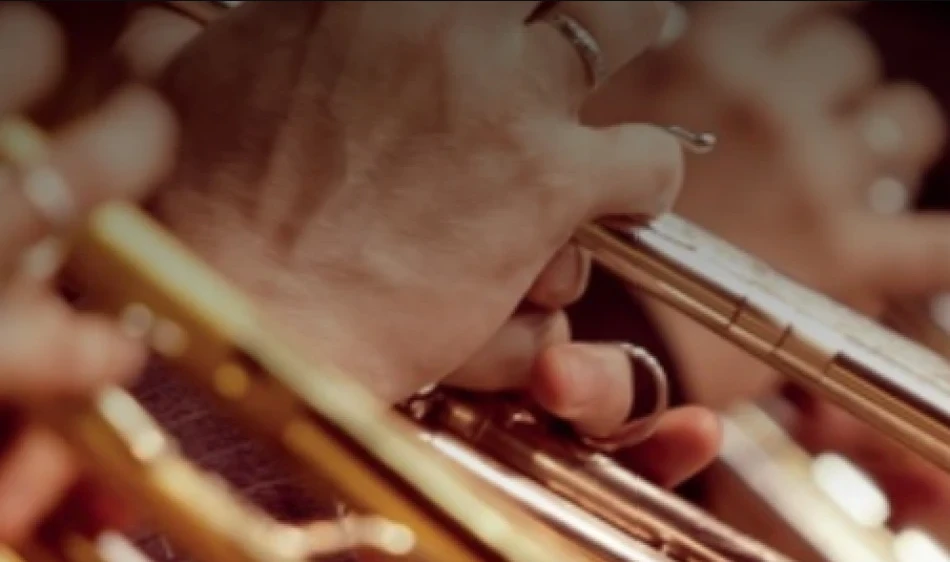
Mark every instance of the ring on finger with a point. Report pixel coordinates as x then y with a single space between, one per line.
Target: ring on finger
637 427
584 43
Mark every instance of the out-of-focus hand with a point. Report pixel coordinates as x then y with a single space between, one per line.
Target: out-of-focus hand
813 148
811 144
47 350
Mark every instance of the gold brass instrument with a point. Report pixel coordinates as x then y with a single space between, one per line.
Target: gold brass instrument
894 384
488 505
819 508
457 478
418 506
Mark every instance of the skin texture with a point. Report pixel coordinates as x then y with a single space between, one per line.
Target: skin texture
409 257
316 240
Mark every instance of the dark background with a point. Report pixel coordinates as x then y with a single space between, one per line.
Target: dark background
914 40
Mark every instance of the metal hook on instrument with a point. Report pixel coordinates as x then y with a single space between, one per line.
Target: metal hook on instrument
697 143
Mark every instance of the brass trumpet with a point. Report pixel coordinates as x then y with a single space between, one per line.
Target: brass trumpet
465 504
455 477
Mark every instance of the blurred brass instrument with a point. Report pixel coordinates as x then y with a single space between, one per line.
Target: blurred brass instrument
816 508
455 481
454 478
820 508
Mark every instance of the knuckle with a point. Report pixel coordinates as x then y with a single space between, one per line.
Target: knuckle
851 47
563 282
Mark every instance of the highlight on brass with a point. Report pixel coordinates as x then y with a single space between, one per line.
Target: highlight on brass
804 470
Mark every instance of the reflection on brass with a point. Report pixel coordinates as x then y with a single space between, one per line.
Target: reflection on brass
834 511
894 384
460 481
123 263
536 460
326 424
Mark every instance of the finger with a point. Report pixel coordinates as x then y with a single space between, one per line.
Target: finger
902 127
774 22
152 38
117 151
899 255
590 385
120 150
32 50
631 169
621 30
33 477
563 280
45 349
516 12
507 361
686 440
830 60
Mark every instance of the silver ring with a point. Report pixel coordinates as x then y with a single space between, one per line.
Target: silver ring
637 430
585 44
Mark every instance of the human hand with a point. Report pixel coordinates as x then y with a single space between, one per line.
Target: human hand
598 389
47 350
530 349
811 140
395 177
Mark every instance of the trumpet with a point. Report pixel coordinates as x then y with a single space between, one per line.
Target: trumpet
894 384
452 476
427 493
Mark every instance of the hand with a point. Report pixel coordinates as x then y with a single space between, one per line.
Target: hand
807 131
46 350
592 387
405 197
531 348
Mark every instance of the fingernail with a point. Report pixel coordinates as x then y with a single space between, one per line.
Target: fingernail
576 375
587 367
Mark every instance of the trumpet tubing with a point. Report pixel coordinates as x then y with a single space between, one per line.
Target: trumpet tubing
540 451
894 384
335 432
455 478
